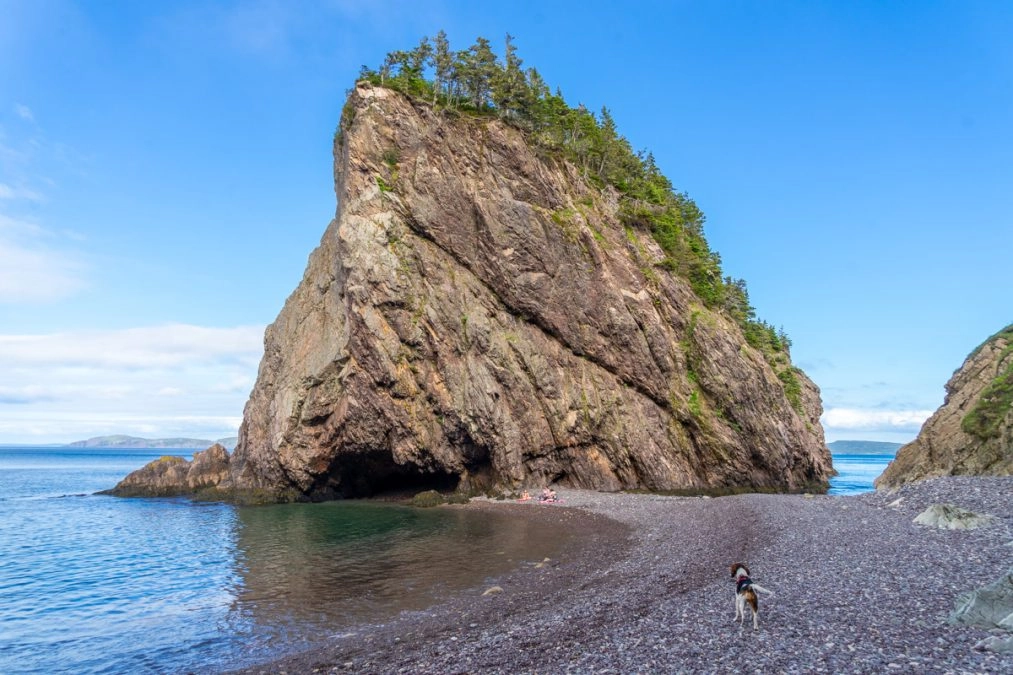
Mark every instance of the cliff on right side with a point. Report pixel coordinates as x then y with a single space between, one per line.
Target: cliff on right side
972 433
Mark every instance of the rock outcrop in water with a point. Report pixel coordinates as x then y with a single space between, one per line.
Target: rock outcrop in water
477 316
172 475
972 432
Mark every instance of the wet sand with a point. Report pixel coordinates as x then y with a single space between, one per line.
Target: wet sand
858 588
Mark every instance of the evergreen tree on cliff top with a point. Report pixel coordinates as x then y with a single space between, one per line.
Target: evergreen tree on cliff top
476 81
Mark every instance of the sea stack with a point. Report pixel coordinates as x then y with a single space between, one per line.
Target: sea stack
480 315
972 432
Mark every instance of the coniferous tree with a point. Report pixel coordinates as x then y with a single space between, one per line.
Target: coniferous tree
510 92
479 82
443 64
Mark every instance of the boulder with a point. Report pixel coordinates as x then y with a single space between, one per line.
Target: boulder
989 607
950 517
172 476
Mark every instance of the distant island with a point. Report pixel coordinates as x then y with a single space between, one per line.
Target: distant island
121 441
863 448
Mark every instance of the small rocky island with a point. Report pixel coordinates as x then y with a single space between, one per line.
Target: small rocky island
492 309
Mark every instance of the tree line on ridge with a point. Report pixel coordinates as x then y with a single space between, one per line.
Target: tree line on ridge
476 81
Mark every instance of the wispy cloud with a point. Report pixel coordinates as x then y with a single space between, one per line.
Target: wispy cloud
172 380
33 270
24 112
12 193
150 347
25 395
46 428
874 420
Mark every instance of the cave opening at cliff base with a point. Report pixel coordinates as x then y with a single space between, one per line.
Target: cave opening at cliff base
374 473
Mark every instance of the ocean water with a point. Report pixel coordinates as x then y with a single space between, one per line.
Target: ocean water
97 584
857 471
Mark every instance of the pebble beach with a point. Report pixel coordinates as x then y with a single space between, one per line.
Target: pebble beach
858 588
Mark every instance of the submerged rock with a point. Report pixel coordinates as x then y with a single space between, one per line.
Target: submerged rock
972 432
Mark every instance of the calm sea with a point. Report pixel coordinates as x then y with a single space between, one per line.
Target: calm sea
856 471
98 584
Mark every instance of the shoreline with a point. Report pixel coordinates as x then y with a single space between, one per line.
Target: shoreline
857 586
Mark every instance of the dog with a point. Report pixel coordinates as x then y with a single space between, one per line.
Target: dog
745 594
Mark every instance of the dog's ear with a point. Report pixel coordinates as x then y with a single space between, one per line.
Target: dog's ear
736 566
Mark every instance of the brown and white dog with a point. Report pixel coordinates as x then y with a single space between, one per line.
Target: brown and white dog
745 594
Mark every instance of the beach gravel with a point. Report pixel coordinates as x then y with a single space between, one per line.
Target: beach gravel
859 588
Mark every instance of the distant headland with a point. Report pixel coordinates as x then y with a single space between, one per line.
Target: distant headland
121 441
863 448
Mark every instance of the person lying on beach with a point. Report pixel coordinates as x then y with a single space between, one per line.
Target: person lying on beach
548 496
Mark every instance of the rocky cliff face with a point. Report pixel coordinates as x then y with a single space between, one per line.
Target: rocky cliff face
972 433
476 316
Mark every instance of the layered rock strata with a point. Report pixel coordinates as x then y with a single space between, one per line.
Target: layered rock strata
972 432
476 315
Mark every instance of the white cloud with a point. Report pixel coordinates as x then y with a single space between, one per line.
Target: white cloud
64 428
151 347
20 192
886 421
172 380
31 269
24 112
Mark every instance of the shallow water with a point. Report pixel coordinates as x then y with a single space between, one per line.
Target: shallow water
98 584
856 472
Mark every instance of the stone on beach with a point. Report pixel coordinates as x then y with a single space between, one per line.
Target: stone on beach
988 607
951 517
656 598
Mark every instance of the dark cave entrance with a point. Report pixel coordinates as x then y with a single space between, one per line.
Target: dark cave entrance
373 473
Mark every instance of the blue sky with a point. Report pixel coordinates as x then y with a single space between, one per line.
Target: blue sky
165 171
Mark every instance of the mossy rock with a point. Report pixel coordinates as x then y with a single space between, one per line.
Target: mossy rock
427 499
458 498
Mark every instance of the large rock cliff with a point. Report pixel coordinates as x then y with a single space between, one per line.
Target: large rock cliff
477 316
972 433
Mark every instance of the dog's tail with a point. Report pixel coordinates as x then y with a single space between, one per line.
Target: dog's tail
761 589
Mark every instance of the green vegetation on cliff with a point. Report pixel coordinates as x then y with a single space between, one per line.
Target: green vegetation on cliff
476 81
984 420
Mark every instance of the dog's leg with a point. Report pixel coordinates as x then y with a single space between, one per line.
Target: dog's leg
740 609
754 604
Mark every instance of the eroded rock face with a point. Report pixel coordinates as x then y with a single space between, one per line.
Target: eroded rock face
972 432
171 476
476 316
